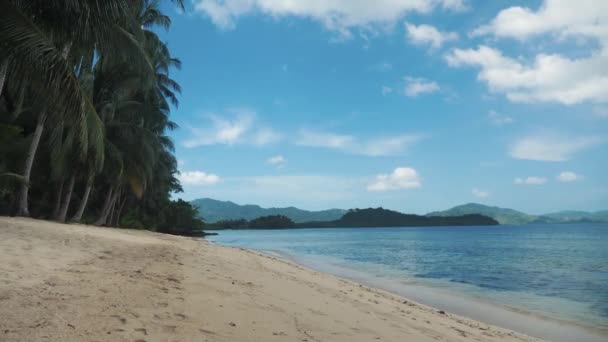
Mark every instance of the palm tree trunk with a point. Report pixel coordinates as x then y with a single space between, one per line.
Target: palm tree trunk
119 212
58 199
106 208
3 72
110 219
67 198
19 106
85 198
23 209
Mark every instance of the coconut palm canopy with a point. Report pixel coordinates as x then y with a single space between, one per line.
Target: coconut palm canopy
85 100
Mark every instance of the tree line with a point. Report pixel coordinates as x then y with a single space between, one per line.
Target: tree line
359 218
85 100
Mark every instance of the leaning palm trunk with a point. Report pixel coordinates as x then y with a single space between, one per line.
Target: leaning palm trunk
58 197
3 72
106 208
19 106
23 209
119 211
85 198
67 198
110 218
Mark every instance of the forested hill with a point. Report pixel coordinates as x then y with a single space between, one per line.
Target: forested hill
358 218
213 211
510 216
380 217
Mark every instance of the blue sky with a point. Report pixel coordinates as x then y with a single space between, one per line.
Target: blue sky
412 105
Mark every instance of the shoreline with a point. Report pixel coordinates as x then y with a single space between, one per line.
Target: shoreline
480 309
75 282
466 305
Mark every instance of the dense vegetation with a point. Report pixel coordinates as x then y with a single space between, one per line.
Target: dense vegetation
378 217
264 222
85 98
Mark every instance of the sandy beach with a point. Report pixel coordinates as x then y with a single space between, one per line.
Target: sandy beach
80 283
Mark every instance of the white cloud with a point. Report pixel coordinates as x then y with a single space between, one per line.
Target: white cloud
278 161
336 15
239 127
386 90
382 146
550 78
568 176
265 136
417 86
198 178
480 193
551 147
400 178
563 18
499 119
427 34
532 180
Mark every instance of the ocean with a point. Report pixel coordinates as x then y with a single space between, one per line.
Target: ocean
555 276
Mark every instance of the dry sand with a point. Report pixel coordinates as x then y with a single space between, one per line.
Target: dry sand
80 283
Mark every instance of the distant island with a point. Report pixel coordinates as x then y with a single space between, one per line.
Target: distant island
214 211
359 218
510 216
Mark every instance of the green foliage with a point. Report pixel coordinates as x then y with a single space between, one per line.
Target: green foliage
180 218
264 222
99 75
271 222
380 217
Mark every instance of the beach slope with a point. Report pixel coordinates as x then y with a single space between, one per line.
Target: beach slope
80 283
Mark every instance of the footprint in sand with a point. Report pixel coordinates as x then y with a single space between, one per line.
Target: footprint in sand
142 330
121 319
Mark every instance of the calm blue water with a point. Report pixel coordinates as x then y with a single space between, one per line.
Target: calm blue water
557 271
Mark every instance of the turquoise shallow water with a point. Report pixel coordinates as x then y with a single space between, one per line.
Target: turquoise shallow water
554 271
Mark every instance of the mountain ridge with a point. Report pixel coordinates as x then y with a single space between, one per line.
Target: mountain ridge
511 216
214 210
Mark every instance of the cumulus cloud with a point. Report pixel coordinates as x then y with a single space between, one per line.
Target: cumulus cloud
400 178
563 18
532 180
239 126
417 86
278 161
549 78
382 146
198 178
568 176
551 147
427 34
499 119
480 193
336 15
386 90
